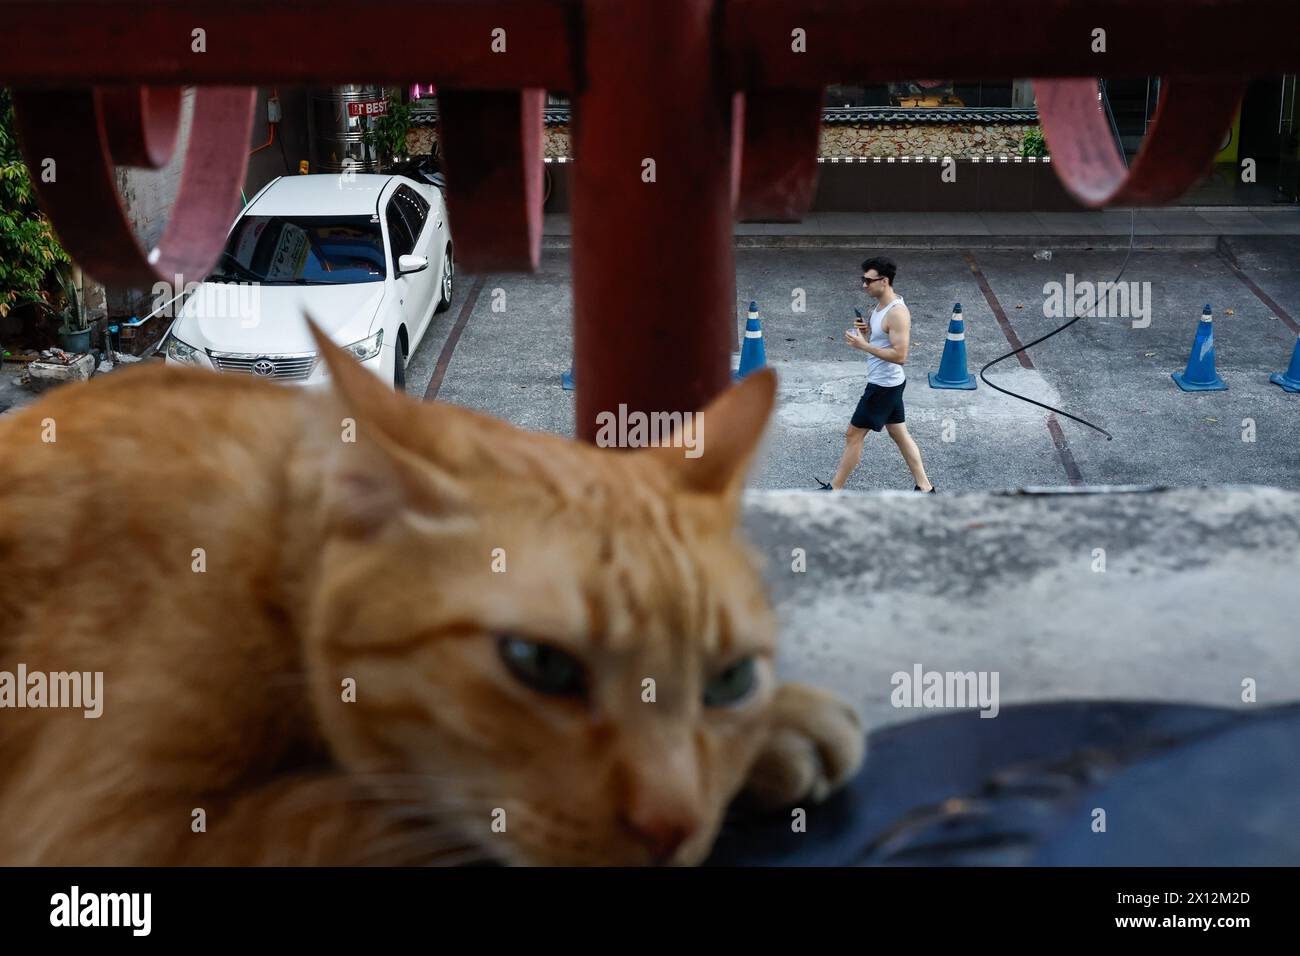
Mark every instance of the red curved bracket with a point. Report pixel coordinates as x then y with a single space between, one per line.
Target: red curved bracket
778 161
142 123
491 147
66 146
1187 131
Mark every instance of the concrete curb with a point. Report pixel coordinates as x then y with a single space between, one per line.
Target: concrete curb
1198 593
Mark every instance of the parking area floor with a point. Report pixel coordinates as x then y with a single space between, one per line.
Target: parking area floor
514 341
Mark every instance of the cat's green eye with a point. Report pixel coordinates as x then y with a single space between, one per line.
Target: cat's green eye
542 667
733 685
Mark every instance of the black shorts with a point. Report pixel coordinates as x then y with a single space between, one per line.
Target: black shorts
880 405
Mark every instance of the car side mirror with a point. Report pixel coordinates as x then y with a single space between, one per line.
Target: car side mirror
410 263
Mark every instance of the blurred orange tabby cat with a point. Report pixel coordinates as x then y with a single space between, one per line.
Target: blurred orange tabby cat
498 714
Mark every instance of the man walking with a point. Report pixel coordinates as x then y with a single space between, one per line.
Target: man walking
885 338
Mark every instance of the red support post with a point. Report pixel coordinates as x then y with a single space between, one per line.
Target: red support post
491 146
778 166
653 266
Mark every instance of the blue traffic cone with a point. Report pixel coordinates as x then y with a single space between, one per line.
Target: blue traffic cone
1199 375
752 354
1291 380
567 381
952 367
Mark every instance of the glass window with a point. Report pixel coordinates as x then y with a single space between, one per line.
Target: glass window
303 250
841 96
399 233
413 207
921 94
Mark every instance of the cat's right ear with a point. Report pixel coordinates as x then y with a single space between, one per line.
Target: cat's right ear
728 432
374 475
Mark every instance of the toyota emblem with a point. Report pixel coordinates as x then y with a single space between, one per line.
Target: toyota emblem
263 367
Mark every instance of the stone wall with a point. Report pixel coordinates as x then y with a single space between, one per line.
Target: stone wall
929 139
420 140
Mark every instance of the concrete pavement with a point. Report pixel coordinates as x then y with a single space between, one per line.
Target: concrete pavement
1103 369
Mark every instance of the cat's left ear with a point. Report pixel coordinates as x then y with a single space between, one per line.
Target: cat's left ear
362 392
714 455
379 470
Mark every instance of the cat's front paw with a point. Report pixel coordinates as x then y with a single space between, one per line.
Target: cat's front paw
816 744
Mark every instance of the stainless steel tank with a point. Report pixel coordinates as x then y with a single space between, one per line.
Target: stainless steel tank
337 134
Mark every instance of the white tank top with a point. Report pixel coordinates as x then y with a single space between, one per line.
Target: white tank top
880 372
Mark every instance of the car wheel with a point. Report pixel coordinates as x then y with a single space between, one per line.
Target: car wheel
399 369
448 275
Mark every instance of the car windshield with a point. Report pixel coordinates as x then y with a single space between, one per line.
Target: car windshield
303 250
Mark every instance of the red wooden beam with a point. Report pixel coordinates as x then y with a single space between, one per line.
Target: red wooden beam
249 42
80 42
778 164
653 270
142 124
67 146
491 148
859 41
1190 122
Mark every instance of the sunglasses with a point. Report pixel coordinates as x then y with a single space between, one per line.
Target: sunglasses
867 280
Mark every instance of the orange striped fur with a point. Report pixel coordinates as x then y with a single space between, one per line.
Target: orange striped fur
373 561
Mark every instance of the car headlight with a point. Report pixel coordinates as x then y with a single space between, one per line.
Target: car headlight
178 351
367 349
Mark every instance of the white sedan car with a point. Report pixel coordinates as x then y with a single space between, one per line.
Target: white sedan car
367 257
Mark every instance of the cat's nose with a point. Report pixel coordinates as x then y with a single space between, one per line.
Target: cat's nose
661 832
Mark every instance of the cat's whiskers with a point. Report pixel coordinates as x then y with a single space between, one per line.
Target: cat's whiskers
408 797
423 846
430 790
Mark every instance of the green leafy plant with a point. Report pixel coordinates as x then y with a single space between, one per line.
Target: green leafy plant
1033 143
387 133
73 312
29 250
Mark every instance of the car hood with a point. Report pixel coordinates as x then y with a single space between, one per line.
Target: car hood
243 317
